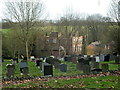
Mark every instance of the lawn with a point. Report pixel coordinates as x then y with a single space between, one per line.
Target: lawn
87 82
93 82
35 71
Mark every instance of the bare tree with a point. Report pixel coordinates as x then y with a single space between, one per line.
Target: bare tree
24 15
114 14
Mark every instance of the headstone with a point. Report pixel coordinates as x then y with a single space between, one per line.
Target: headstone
63 67
107 57
10 70
101 57
57 65
68 58
94 64
38 62
25 70
32 57
80 66
50 60
112 57
15 60
74 61
23 64
86 69
43 64
117 59
48 70
97 59
105 67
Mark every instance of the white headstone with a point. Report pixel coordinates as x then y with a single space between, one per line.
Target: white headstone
97 59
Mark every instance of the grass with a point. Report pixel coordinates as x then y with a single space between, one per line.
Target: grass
93 82
35 71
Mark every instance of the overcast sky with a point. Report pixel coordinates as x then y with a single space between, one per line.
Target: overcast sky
56 8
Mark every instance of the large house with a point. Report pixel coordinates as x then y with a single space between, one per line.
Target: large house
60 45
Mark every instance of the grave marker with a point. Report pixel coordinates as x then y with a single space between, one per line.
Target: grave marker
57 65
63 67
105 67
48 70
10 70
74 61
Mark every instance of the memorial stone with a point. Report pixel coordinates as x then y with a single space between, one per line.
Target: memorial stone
48 70
63 67
105 67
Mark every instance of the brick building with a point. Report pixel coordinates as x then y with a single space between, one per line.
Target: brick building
60 45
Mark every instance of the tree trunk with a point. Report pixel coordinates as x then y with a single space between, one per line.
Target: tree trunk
27 51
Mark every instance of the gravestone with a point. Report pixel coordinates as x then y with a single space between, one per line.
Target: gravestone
50 60
65 58
63 67
25 70
117 59
48 70
32 57
68 58
94 64
112 57
101 57
74 61
97 59
43 64
86 69
105 67
80 66
15 60
107 57
57 65
38 62
23 64
10 70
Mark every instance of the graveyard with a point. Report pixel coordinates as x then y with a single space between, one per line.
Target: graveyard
64 73
45 48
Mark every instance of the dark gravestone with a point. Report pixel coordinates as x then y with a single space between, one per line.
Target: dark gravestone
43 64
2 59
16 60
38 62
86 69
68 58
63 67
48 70
117 59
57 65
107 57
74 61
105 67
112 57
25 70
50 60
23 64
65 58
10 70
94 64
80 66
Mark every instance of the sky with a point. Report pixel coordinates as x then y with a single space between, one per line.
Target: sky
56 8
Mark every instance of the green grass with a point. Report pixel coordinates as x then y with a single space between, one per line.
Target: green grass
93 82
35 71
